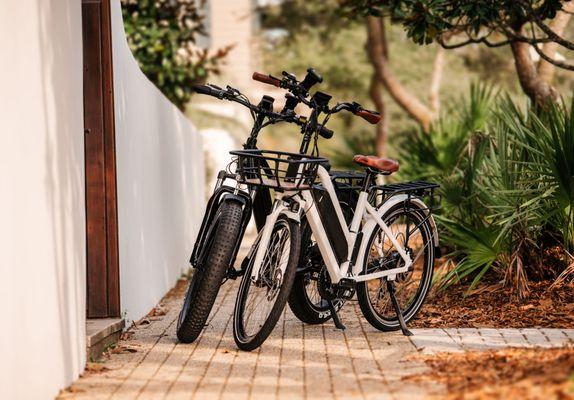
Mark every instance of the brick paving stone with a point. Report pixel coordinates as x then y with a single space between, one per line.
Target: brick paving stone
569 333
297 361
292 373
514 338
493 339
372 381
434 341
535 338
471 339
556 337
266 379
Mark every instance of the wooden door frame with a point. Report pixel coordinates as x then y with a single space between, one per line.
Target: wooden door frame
103 290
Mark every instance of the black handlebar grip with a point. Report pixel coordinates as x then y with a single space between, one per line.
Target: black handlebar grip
203 89
311 79
325 132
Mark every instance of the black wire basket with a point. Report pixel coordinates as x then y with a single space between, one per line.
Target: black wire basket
279 170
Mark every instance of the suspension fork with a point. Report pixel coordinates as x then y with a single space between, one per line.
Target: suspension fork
278 209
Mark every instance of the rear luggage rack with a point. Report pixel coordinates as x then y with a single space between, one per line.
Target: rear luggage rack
421 189
347 180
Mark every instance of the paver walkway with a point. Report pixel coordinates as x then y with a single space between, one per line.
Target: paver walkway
297 361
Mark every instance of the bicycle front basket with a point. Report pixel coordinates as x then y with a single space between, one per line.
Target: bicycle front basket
276 169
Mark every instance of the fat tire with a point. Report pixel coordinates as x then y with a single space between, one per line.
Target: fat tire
206 281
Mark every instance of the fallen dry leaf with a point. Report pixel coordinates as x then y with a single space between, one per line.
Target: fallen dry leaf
96 367
123 349
504 374
498 308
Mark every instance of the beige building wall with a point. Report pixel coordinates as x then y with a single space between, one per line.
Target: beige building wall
160 170
161 181
234 22
42 218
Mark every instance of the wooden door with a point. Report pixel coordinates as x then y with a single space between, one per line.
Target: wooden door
103 297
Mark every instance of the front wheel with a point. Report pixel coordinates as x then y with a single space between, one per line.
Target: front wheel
410 225
206 281
259 303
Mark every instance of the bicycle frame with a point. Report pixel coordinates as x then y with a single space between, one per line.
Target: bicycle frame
355 236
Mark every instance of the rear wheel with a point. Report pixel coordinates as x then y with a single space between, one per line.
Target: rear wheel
411 227
207 278
305 300
259 304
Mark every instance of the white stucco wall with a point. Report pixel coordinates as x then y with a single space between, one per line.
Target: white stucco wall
160 179
42 228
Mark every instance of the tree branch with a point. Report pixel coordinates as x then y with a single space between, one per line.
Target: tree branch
558 24
553 36
381 128
436 77
410 103
552 61
538 90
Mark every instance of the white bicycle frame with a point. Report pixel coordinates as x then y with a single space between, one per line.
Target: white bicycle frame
364 212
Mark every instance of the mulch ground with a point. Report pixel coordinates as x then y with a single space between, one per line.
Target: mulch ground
494 307
505 374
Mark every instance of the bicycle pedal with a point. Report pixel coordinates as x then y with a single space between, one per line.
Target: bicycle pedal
336 319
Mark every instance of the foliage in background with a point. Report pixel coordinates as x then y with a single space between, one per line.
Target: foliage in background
507 179
352 144
162 35
523 25
341 58
425 21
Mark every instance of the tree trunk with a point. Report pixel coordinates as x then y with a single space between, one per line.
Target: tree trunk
381 127
539 91
558 25
436 77
376 49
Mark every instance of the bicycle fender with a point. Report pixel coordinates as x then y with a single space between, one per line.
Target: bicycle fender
371 224
223 193
243 200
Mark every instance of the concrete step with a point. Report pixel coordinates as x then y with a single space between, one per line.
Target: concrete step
101 334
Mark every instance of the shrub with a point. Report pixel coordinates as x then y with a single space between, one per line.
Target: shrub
162 36
507 179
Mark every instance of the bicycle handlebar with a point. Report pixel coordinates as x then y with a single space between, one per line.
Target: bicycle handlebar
208 90
371 117
268 79
298 93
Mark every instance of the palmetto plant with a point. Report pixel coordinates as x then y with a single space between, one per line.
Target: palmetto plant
445 148
523 195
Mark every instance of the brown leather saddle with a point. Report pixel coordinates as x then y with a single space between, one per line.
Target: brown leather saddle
382 164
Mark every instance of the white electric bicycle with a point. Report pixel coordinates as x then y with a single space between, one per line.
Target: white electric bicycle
385 255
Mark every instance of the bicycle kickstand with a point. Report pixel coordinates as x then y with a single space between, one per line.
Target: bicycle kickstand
336 320
391 289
